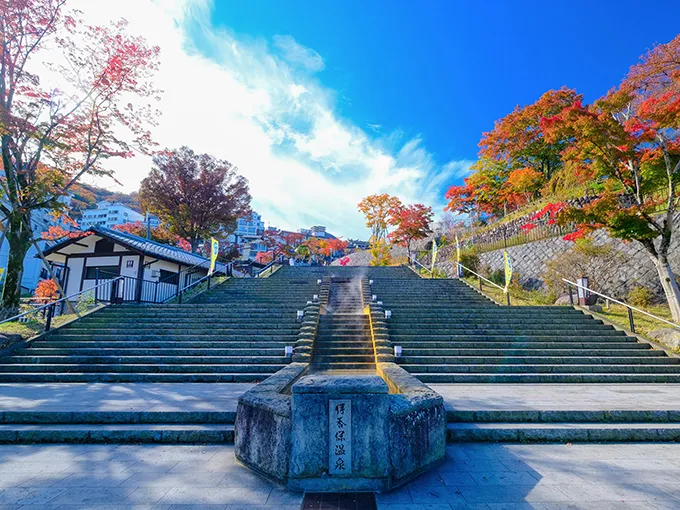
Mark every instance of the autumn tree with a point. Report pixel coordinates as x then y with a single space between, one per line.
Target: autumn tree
412 223
160 234
630 139
376 209
52 134
196 195
522 186
482 191
281 242
518 139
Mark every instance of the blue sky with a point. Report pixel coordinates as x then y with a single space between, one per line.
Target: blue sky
446 70
322 103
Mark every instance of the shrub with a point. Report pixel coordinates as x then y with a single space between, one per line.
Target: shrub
498 277
585 258
639 296
469 259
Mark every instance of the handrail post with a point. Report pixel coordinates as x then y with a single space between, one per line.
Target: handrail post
480 284
507 295
209 278
96 285
571 296
48 321
630 320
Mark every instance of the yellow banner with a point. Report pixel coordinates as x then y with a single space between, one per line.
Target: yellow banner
508 269
214 250
434 253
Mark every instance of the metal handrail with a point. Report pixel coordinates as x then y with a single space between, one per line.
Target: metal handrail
176 275
413 259
481 277
630 307
505 290
188 287
276 261
53 303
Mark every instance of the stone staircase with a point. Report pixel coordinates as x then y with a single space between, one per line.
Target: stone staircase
119 427
450 333
236 332
565 426
343 340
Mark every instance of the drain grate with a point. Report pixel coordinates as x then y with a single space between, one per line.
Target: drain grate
339 501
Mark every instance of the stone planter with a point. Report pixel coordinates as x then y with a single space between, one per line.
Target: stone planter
341 433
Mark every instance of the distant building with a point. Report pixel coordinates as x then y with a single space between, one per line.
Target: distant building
41 221
248 236
108 214
318 231
356 244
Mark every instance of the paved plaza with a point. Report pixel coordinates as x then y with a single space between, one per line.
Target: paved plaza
473 476
159 397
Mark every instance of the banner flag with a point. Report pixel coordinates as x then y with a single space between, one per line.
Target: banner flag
508 269
434 253
214 250
458 268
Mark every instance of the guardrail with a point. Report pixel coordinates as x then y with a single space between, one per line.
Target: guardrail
277 260
112 289
481 285
414 261
630 308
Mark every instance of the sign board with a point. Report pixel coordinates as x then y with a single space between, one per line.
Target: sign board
340 437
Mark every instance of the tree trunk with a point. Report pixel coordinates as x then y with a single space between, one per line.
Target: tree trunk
19 239
670 287
193 241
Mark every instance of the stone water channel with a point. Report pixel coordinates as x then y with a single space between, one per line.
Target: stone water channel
346 421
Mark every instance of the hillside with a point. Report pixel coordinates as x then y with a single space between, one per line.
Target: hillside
86 196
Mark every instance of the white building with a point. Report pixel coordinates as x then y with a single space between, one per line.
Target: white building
248 235
107 214
151 272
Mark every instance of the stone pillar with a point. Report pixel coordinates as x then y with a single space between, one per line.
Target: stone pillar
340 434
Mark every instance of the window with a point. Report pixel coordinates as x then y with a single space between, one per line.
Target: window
105 272
168 277
103 246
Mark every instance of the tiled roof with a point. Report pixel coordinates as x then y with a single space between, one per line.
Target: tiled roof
148 247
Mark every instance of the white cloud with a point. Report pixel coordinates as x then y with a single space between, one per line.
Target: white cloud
297 54
270 116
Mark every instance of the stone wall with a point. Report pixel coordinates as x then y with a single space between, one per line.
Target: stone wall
529 260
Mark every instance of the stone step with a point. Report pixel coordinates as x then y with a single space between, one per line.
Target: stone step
165 339
565 368
118 434
139 368
135 351
425 329
342 351
116 417
164 328
548 378
330 365
556 352
594 344
156 342
566 416
346 358
447 340
112 377
183 360
561 432
538 360
448 321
